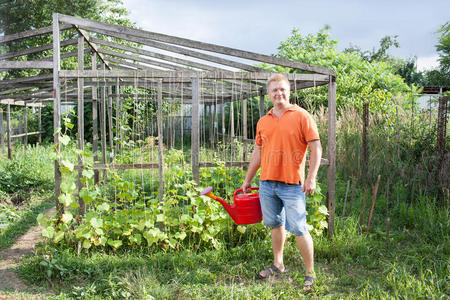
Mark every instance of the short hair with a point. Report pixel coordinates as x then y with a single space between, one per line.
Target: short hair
277 77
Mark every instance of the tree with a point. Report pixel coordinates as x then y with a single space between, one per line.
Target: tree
443 47
358 80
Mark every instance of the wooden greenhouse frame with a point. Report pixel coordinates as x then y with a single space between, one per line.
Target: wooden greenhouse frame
176 60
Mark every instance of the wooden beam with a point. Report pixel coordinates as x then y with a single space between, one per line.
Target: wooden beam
8 83
178 77
156 55
197 45
33 64
36 49
179 50
30 33
93 46
20 103
143 60
25 134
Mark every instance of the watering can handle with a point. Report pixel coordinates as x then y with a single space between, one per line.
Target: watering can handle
240 190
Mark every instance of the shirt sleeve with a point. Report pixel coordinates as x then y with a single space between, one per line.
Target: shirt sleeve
309 127
258 139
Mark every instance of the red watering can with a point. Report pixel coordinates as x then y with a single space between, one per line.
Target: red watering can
245 209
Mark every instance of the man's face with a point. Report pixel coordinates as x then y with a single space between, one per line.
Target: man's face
279 93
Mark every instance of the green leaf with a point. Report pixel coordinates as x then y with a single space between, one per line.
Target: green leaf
323 210
64 139
42 220
160 218
48 232
241 229
88 173
58 236
67 165
180 235
65 199
115 243
96 223
87 244
68 187
66 217
104 207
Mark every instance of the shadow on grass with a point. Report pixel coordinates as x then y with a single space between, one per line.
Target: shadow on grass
24 223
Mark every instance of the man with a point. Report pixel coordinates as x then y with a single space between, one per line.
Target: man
282 137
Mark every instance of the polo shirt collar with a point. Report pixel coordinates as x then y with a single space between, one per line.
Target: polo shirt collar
294 107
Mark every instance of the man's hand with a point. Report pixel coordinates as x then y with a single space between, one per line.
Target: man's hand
310 186
246 187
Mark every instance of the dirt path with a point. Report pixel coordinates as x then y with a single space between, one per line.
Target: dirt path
10 258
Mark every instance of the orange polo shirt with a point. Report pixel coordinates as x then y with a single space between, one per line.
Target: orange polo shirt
284 142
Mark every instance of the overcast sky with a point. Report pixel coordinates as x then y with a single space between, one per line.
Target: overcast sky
260 26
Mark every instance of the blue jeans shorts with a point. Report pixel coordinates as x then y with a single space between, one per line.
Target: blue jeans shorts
283 204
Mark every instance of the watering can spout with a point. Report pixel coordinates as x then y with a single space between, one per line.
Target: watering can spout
245 209
231 210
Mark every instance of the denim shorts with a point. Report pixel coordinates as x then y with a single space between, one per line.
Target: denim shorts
283 204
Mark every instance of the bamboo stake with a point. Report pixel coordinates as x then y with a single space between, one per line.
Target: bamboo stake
374 197
362 208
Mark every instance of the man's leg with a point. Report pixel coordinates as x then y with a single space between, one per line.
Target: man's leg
278 235
278 238
306 246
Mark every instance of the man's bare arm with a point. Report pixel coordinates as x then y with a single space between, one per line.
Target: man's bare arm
309 185
255 162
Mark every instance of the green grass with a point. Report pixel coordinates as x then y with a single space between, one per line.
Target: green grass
26 218
353 265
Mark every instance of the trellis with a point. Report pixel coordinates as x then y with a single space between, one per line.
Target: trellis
178 69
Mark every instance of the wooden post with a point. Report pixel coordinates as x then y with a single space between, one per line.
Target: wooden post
110 123
20 129
261 103
211 126
57 108
8 129
95 120
374 197
440 147
40 125
2 132
215 126
223 120
103 122
80 113
331 153
195 129
160 143
232 128
117 110
25 125
244 128
365 144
